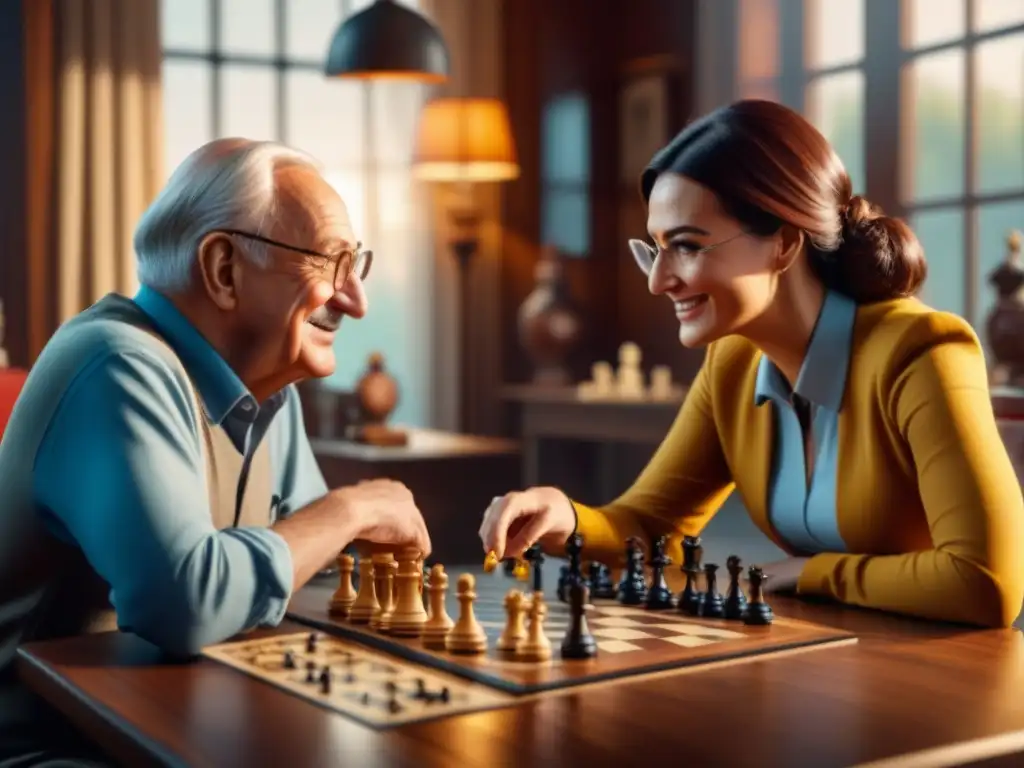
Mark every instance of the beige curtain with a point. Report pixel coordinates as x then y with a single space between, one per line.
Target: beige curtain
98 151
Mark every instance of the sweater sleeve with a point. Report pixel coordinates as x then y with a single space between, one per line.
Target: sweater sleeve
680 489
939 402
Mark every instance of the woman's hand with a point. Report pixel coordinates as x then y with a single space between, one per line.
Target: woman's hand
516 521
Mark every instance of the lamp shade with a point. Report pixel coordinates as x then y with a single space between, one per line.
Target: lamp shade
388 40
465 140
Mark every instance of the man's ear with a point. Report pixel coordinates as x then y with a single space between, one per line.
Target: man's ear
217 262
791 244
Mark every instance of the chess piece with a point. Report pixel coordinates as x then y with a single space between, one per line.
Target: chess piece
691 598
409 615
311 639
713 606
757 612
490 562
535 557
515 624
345 595
633 585
574 549
629 378
561 592
438 623
383 585
366 599
325 680
520 570
659 596
601 385
536 646
578 643
662 389
601 586
466 636
735 600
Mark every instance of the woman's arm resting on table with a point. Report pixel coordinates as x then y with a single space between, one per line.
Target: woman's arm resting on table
974 574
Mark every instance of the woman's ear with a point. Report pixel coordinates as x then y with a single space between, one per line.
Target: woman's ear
791 245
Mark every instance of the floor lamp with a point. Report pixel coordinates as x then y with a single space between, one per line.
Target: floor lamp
465 141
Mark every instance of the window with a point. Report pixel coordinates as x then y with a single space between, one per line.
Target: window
565 173
962 175
254 68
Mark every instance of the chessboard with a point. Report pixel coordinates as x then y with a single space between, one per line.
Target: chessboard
631 641
349 678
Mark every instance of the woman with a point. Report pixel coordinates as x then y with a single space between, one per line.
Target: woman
854 421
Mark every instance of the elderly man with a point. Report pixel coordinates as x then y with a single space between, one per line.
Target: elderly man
155 474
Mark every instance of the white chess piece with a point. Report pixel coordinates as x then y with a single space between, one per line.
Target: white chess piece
601 385
629 384
662 387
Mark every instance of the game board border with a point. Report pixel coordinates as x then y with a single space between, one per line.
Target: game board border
426 658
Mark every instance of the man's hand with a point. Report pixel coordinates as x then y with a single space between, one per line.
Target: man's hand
383 512
782 576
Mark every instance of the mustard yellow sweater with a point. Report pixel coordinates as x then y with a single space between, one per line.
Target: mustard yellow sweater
928 502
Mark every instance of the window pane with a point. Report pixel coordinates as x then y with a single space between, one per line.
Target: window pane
309 27
995 222
758 39
395 109
835 104
997 14
941 233
325 117
1000 95
188 109
834 32
928 22
566 136
248 106
185 24
566 220
933 143
248 27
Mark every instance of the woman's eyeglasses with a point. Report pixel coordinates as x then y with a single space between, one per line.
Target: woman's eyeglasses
645 255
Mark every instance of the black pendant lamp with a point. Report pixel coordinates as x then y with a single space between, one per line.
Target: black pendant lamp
388 40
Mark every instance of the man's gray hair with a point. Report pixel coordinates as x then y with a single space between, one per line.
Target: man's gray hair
226 184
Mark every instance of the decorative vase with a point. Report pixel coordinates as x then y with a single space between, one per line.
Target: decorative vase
549 327
377 397
1005 326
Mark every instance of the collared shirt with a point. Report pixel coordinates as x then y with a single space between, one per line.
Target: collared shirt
803 512
126 406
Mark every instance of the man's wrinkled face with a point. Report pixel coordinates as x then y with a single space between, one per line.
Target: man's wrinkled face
290 308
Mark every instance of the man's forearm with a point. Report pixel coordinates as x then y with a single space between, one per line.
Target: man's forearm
315 535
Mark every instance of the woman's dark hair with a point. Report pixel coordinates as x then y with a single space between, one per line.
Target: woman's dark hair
769 166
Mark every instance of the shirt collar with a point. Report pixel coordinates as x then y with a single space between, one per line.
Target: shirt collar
218 385
822 378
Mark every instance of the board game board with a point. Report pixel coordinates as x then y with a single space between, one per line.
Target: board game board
366 685
631 641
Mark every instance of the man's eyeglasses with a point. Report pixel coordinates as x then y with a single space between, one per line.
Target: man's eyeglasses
346 263
645 255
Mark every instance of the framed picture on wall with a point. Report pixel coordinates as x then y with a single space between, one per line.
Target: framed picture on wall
643 123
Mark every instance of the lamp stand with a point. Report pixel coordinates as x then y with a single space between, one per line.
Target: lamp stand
464 244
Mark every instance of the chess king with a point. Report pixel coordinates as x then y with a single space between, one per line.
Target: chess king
156 473
854 420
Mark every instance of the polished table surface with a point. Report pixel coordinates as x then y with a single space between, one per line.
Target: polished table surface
907 694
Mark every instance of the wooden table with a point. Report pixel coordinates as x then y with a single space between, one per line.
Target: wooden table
928 695
453 478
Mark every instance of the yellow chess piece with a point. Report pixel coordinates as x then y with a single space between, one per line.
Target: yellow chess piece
490 562
522 570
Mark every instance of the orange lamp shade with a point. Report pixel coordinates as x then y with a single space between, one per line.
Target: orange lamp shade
466 140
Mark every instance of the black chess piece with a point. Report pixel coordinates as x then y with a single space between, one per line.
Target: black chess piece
562 592
633 586
509 567
574 549
325 680
394 705
690 598
659 596
535 557
578 643
289 660
601 586
757 612
310 671
713 606
311 643
735 600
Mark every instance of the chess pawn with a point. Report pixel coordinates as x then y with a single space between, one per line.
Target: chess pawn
515 625
366 600
382 586
536 646
409 615
713 607
757 612
345 595
467 636
629 383
435 630
735 600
